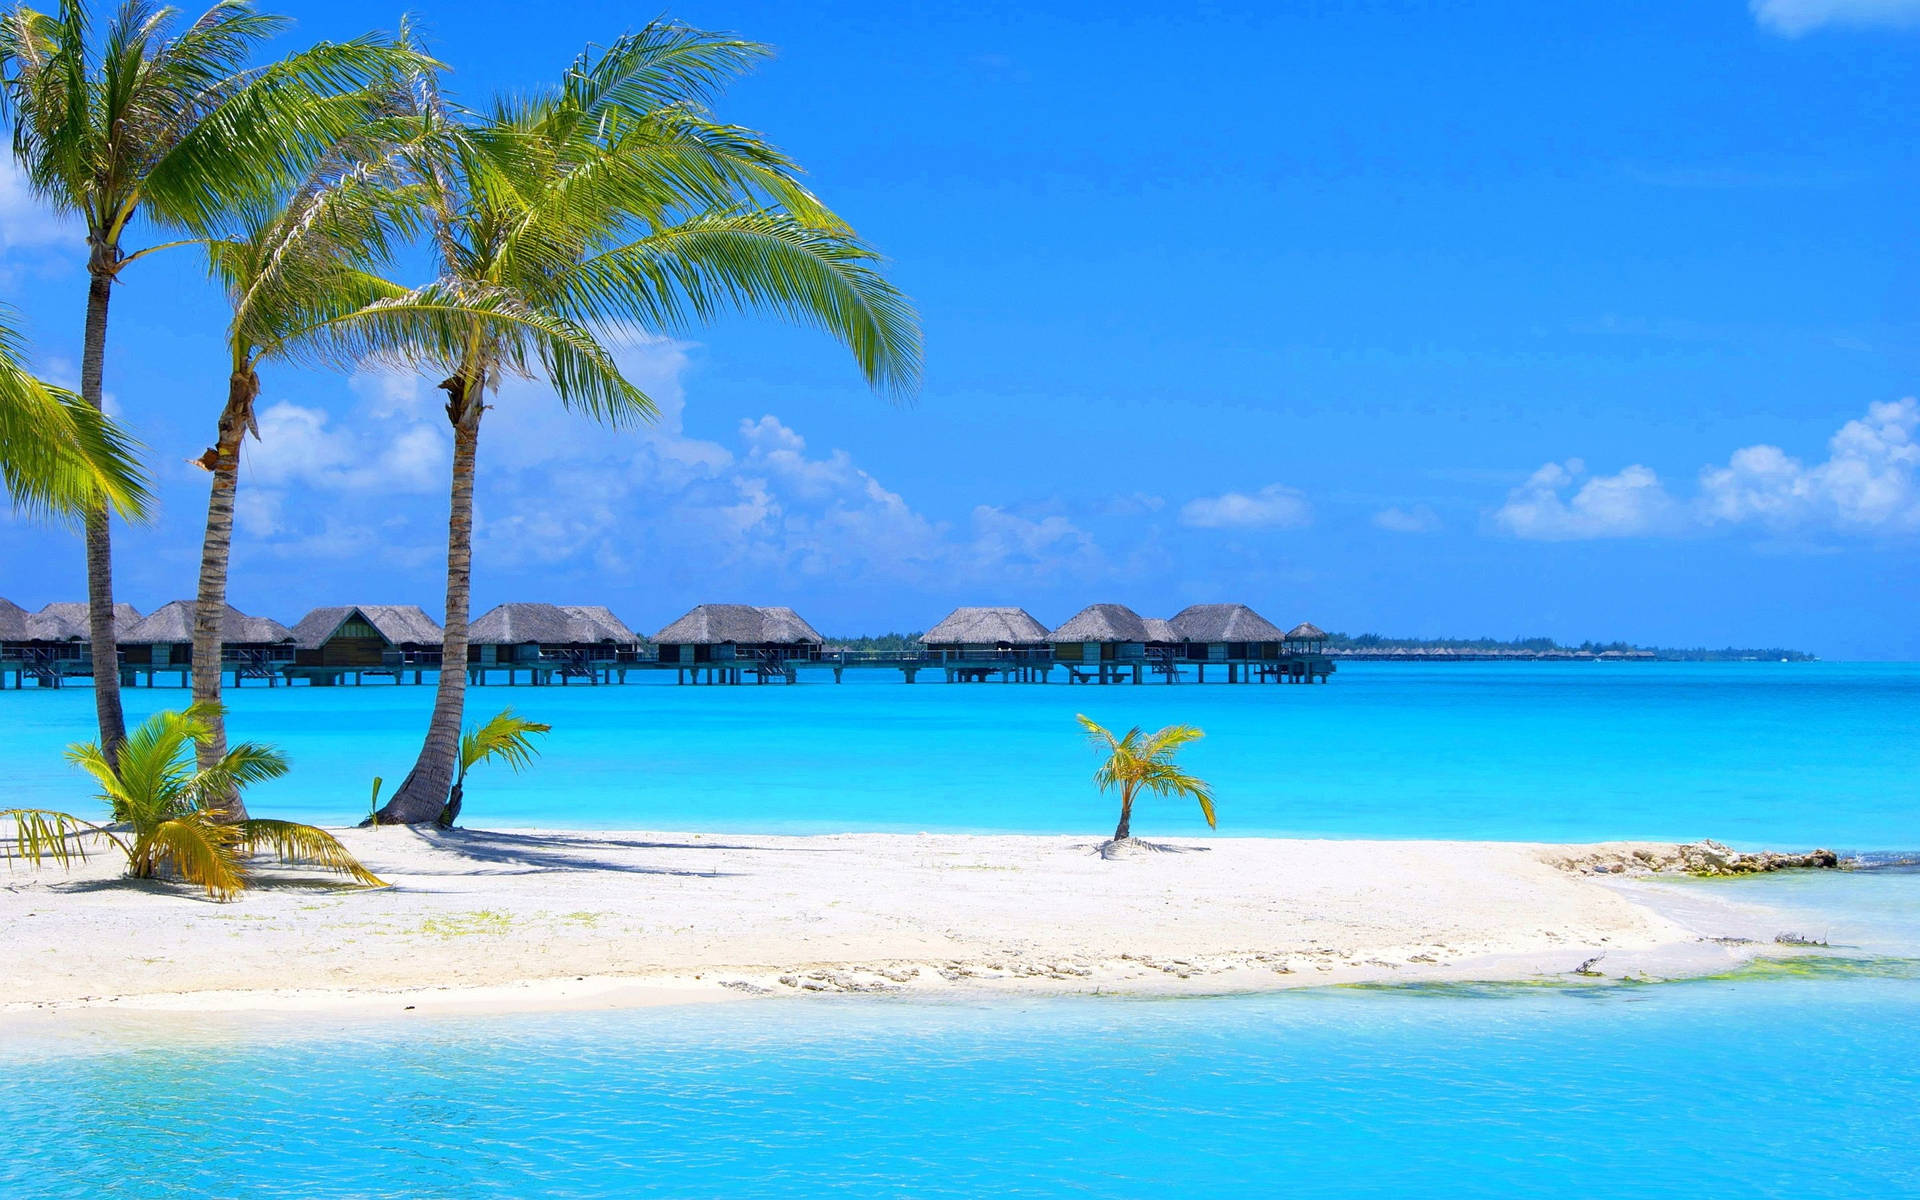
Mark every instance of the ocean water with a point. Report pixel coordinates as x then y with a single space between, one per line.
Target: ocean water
1787 1080
1793 1081
1755 754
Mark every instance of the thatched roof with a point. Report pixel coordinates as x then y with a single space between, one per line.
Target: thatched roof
987 627
400 624
13 622
546 625
741 624
1159 629
1223 623
174 623
600 614
1306 630
1103 623
66 621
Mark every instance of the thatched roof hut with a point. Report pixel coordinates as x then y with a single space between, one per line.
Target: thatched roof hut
1160 631
722 631
538 628
1214 623
363 635
998 628
740 624
1306 631
396 624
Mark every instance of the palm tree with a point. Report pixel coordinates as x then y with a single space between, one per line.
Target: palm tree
295 273
612 203
170 810
1138 760
504 736
58 455
163 121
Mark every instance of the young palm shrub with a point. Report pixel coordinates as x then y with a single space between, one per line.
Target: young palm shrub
60 456
613 204
171 123
1139 761
505 736
165 816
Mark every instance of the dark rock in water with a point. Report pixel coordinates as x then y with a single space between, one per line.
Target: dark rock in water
1712 858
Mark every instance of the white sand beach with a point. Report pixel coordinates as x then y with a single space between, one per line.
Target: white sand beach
536 920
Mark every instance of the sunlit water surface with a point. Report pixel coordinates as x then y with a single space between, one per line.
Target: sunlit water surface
1752 753
1791 1081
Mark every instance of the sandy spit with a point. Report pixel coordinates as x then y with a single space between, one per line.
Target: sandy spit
530 920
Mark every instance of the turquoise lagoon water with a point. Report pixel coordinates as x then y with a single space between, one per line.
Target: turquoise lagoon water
1751 753
1794 1082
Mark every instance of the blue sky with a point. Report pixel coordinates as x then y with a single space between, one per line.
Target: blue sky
1588 321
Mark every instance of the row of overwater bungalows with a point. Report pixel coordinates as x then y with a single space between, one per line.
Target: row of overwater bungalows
717 642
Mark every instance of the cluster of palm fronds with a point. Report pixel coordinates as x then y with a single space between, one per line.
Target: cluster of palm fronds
169 815
609 207
1138 760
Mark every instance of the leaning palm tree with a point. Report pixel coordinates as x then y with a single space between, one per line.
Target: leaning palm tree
164 121
1139 760
58 455
165 812
295 272
610 204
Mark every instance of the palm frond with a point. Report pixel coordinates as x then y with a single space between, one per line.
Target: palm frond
46 835
204 851
305 845
59 456
504 736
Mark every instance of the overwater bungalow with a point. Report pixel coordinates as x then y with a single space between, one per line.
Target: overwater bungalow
728 641
162 643
54 644
977 642
1237 637
356 640
577 641
1103 642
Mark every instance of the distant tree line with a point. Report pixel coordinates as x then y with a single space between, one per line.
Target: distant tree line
1541 645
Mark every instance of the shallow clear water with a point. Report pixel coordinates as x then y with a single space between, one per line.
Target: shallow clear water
1790 1082
1751 753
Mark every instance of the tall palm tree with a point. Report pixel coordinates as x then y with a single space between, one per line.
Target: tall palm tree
613 203
294 273
166 121
1137 760
58 455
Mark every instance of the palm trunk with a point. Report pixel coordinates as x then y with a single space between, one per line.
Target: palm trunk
210 607
424 794
103 638
1125 828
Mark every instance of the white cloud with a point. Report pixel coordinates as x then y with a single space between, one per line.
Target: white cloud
1418 519
1629 504
562 493
1869 483
1275 506
1791 18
